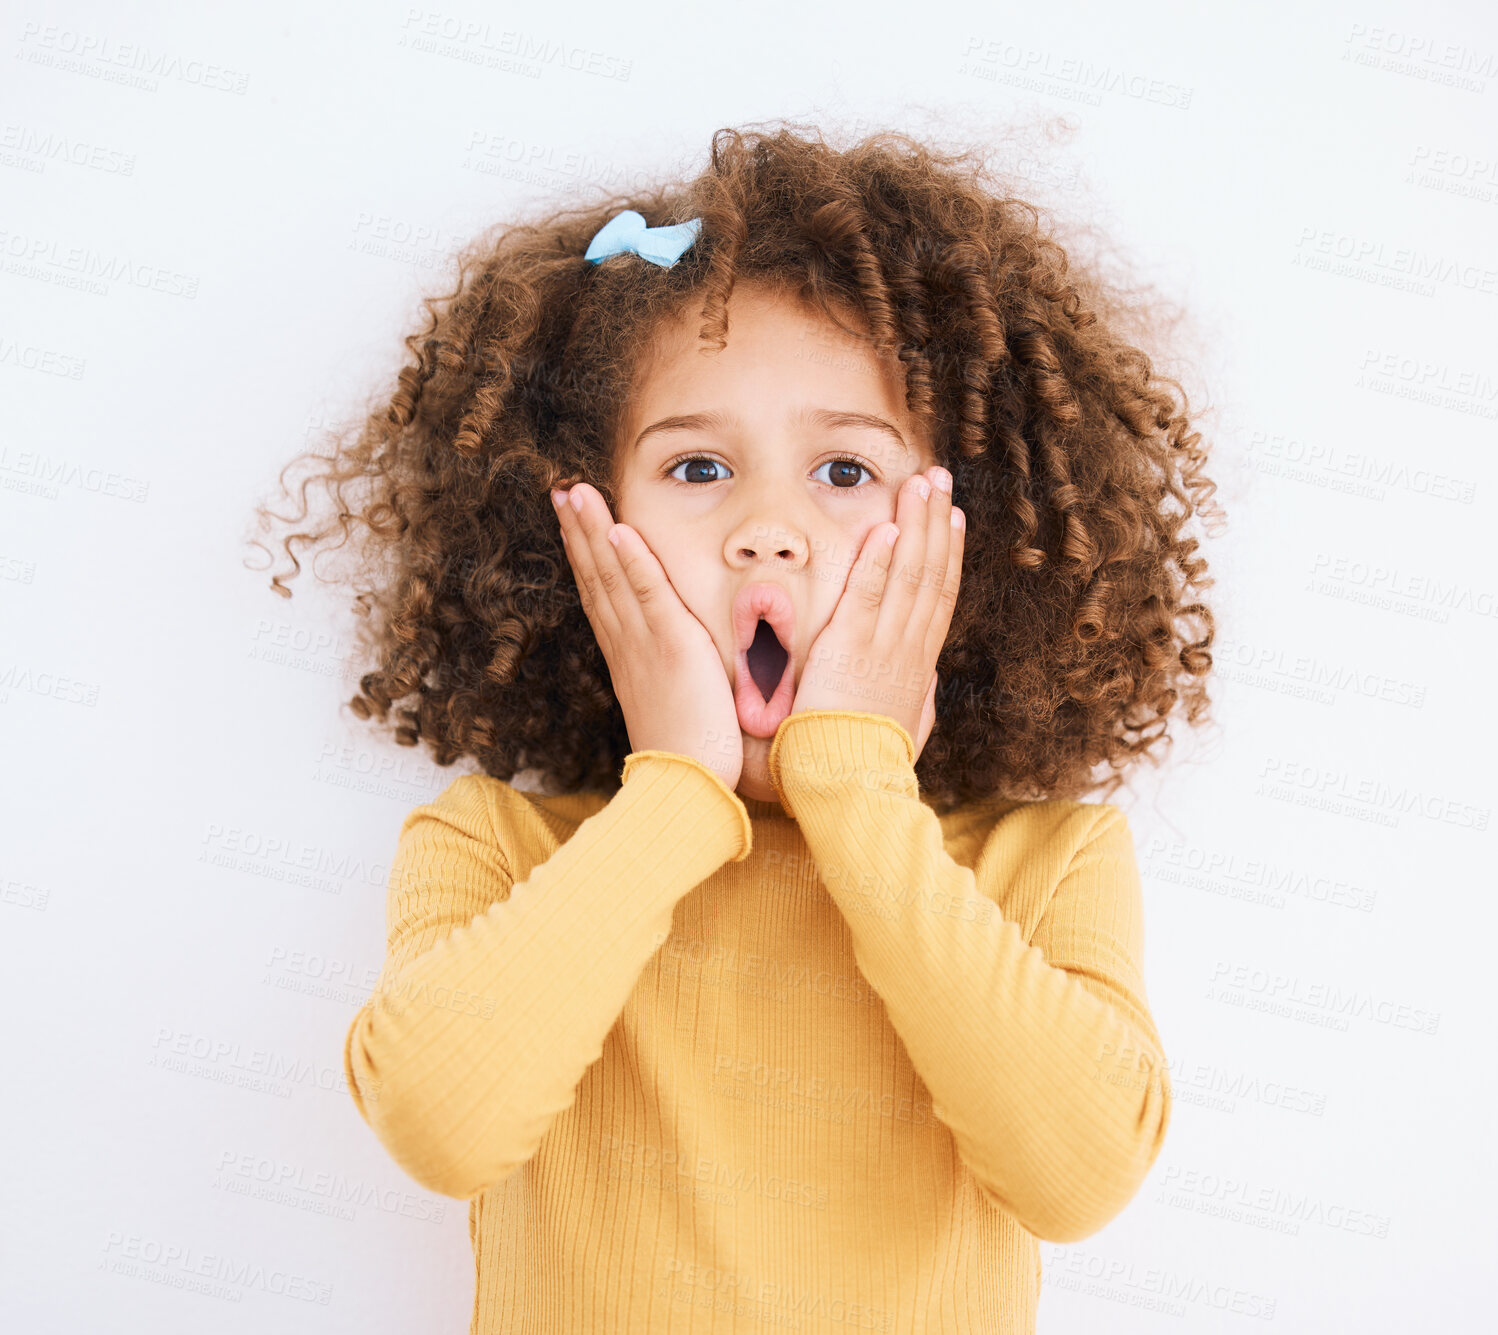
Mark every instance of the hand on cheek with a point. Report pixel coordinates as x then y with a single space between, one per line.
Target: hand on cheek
878 653
663 665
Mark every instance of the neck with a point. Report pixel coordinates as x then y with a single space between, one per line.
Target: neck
760 810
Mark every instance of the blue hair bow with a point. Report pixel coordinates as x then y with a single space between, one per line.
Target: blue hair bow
626 231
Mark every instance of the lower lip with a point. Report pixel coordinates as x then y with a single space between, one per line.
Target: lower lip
757 716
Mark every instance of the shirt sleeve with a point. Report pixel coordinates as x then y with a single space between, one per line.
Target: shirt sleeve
1040 1054
496 996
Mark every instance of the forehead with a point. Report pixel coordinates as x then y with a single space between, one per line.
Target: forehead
781 353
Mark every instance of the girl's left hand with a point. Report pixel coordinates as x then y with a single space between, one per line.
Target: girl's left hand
878 652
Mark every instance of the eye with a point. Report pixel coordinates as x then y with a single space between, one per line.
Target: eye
694 459
844 478
845 471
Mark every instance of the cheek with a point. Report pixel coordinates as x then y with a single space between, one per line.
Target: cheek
683 556
854 531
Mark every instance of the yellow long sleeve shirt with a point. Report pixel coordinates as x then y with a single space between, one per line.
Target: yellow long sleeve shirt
702 1063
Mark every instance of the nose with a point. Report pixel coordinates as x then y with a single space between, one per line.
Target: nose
763 540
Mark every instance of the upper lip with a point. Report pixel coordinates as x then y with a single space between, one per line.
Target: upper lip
763 600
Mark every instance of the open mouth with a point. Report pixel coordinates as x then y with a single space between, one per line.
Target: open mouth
764 628
767 659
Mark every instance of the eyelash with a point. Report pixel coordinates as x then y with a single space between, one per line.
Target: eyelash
836 459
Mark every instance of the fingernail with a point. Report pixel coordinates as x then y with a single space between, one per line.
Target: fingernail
959 520
922 488
576 497
943 479
557 498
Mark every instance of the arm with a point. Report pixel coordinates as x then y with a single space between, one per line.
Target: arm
1040 1055
496 997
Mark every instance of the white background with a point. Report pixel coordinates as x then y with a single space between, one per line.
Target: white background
215 226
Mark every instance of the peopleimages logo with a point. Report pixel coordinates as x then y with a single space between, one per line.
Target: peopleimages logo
133 64
1298 998
1364 798
1450 64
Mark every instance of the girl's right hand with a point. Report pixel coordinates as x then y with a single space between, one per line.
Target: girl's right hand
666 671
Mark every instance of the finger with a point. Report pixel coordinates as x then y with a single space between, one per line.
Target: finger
578 521
857 609
864 591
937 554
645 577
908 560
635 585
941 621
609 574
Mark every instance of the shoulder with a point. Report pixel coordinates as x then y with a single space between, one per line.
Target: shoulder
1046 837
1021 853
1057 823
1074 822
463 804
516 818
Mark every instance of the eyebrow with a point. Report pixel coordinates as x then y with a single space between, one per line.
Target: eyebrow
825 417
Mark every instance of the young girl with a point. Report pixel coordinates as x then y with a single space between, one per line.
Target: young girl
808 993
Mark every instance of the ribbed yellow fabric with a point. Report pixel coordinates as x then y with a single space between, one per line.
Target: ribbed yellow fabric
703 1063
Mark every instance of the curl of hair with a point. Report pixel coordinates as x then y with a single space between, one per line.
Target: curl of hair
1079 628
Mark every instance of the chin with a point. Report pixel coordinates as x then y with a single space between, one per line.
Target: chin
756 772
759 792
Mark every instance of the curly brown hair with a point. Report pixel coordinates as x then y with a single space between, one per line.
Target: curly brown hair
1078 629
